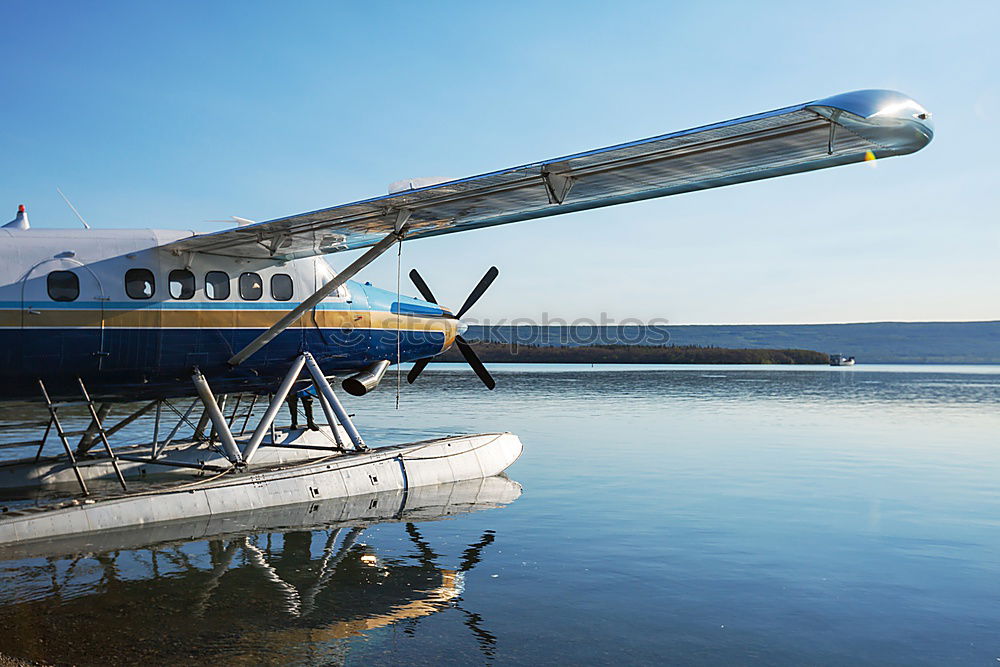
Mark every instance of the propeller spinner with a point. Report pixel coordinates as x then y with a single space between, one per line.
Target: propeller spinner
463 346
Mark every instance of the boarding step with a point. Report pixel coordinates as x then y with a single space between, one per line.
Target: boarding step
95 428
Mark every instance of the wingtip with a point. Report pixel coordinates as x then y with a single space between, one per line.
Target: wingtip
887 117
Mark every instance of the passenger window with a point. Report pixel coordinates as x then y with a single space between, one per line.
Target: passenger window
63 286
281 287
251 287
181 283
217 285
140 284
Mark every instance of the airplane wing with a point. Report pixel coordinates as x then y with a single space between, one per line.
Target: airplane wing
846 128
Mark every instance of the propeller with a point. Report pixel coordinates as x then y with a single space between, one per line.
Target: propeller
463 346
470 557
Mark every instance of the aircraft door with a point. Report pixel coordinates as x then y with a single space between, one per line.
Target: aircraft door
62 317
343 321
356 321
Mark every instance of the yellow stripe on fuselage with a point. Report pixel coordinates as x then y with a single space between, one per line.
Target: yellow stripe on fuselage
222 319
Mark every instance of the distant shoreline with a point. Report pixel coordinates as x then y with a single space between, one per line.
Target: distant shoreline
635 354
871 343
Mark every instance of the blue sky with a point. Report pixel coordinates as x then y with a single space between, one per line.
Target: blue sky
169 115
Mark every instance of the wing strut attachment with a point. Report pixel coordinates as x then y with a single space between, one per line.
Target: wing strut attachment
320 294
557 182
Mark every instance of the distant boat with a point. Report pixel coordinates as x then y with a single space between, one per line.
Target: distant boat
840 360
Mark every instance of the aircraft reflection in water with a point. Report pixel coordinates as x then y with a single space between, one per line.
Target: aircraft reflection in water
281 586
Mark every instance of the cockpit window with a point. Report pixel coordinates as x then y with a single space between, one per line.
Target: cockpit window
339 293
140 284
217 285
251 286
181 284
325 274
63 286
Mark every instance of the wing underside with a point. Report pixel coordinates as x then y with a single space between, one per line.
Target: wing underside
834 131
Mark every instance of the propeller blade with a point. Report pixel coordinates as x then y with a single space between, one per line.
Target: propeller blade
473 359
425 291
417 369
472 555
483 285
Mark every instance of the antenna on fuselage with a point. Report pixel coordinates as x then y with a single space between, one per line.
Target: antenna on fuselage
72 208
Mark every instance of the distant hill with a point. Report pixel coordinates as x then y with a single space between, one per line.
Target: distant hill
633 354
870 342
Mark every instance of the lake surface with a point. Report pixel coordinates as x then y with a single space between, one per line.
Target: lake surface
700 515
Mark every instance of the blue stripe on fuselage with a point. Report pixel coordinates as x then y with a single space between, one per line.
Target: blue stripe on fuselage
157 362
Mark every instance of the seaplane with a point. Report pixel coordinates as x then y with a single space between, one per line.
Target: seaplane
244 320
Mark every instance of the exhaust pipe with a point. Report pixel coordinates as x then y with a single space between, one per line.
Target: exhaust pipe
363 382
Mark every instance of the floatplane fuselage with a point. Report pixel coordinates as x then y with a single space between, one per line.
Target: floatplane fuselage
131 319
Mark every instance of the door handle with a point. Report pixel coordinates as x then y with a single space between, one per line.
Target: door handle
32 311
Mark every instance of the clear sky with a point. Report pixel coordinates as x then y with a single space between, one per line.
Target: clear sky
174 114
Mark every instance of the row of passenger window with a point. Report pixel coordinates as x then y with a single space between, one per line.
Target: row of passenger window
141 284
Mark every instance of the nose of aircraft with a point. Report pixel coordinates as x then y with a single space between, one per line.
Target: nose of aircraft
422 317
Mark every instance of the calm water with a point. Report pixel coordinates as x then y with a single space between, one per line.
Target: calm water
701 515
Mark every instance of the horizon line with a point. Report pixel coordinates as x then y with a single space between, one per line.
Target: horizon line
740 324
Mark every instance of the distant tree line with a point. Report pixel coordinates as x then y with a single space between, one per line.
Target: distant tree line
634 354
